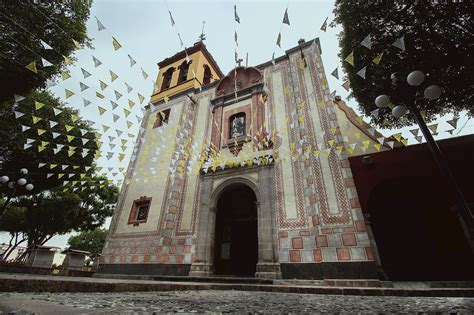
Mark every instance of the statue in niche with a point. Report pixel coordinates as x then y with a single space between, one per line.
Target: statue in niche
237 126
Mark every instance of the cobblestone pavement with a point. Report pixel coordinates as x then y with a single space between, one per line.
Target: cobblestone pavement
225 301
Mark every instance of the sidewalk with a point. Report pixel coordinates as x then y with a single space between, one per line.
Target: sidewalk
43 283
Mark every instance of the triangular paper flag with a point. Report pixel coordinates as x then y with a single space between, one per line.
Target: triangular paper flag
68 61
97 62
32 67
55 135
419 139
103 85
74 117
414 132
117 95
129 88
335 73
85 73
57 111
100 26
18 98
397 136
400 43
45 45
286 20
18 114
24 128
69 93
76 44
65 75
367 42
101 110
116 117
278 42
433 128
46 63
361 72
68 128
346 85
325 25
113 76
350 58
116 43
144 74
141 98
99 95
83 86
36 119
132 62
86 102
378 58
41 131
375 113
126 112
114 105
453 122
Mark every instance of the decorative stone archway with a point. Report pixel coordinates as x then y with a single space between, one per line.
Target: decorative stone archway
260 179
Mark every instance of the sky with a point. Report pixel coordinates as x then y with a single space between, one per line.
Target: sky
143 30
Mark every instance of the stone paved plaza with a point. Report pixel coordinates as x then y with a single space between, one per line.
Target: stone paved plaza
225 301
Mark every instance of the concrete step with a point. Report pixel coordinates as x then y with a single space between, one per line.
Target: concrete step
214 279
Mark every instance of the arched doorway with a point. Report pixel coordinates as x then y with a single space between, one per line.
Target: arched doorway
236 236
417 236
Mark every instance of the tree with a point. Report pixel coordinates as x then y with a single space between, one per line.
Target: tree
57 212
91 241
14 222
23 25
438 39
13 138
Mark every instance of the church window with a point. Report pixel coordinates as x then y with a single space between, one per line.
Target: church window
167 78
162 118
237 125
207 75
183 72
140 210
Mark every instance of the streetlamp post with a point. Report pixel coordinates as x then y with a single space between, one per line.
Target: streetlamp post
404 91
14 184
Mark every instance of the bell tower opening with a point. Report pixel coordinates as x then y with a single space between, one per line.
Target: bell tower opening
236 236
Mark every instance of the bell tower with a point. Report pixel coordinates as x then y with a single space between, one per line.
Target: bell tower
188 69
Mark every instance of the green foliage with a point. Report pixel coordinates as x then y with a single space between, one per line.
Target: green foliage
91 241
438 40
56 211
12 140
22 25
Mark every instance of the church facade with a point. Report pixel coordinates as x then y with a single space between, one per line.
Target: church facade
244 174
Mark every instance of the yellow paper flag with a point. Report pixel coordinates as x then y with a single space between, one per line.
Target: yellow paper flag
166 99
99 95
68 127
74 117
38 105
69 93
141 97
32 67
103 85
113 76
350 58
70 138
126 112
105 128
331 143
36 119
65 75
377 146
366 143
346 85
68 60
101 110
41 131
378 58
76 44
129 124
116 43
131 104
